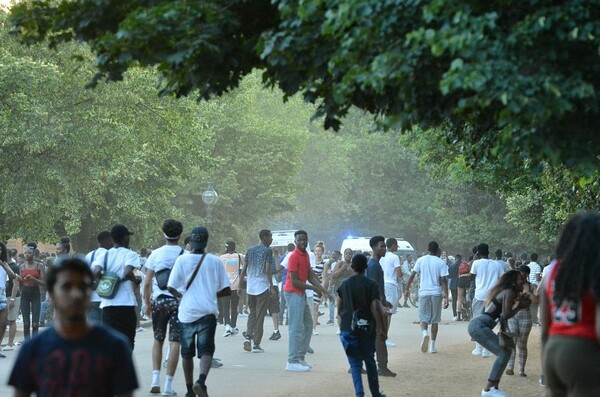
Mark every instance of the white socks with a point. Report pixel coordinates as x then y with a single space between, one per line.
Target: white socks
155 377
424 332
169 383
431 344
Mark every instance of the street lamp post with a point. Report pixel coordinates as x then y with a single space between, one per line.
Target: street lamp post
210 198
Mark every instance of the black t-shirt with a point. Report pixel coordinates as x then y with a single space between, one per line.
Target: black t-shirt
357 293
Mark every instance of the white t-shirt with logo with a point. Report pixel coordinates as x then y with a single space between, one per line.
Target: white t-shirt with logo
430 268
389 263
487 273
118 259
201 299
162 258
98 252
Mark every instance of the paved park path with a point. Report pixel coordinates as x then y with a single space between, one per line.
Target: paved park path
451 372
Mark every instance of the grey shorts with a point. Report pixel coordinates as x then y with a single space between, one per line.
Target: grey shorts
430 309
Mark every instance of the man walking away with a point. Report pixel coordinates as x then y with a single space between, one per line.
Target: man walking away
197 280
375 273
163 306
358 294
433 293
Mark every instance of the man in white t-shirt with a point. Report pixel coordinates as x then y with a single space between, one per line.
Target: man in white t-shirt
486 273
198 279
163 306
392 272
118 312
433 293
105 243
535 276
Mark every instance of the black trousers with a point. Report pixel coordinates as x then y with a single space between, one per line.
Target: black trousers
121 319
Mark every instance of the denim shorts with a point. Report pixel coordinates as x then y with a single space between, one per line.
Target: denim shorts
202 332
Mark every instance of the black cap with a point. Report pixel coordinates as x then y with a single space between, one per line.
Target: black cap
199 238
230 244
119 231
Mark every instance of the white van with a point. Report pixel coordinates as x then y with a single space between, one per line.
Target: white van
362 244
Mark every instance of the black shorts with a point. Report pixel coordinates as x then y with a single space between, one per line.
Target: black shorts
464 282
273 306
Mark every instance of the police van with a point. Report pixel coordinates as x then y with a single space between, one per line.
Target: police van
361 244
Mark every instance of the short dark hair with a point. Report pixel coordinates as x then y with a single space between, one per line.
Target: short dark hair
534 257
359 263
433 247
64 263
498 253
172 229
374 241
483 249
263 233
391 242
103 236
65 243
291 247
298 232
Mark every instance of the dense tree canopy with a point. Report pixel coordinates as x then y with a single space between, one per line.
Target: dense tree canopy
506 82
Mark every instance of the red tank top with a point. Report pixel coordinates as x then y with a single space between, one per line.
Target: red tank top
35 272
575 319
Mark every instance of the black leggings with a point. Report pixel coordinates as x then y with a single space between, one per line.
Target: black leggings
30 309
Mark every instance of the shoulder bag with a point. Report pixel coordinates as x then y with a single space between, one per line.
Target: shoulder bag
162 276
109 283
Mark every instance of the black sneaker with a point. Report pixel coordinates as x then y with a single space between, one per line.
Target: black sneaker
276 335
200 390
386 372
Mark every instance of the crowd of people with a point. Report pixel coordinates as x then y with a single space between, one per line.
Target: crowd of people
99 300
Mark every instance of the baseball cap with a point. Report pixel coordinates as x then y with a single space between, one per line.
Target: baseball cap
119 231
199 238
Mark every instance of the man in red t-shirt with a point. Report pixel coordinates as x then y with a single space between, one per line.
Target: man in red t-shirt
299 317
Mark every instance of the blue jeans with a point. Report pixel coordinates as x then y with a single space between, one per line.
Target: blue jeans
299 326
331 311
202 332
359 349
481 330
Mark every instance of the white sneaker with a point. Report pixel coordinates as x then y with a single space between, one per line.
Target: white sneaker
169 393
424 343
296 367
235 331
455 318
339 331
493 392
485 354
315 332
476 352
227 331
389 343
432 349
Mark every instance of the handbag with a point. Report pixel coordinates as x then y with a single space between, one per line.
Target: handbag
361 325
109 283
506 340
162 276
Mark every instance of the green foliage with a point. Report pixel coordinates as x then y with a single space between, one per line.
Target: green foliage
499 79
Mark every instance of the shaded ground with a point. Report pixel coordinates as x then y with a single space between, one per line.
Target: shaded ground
451 372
